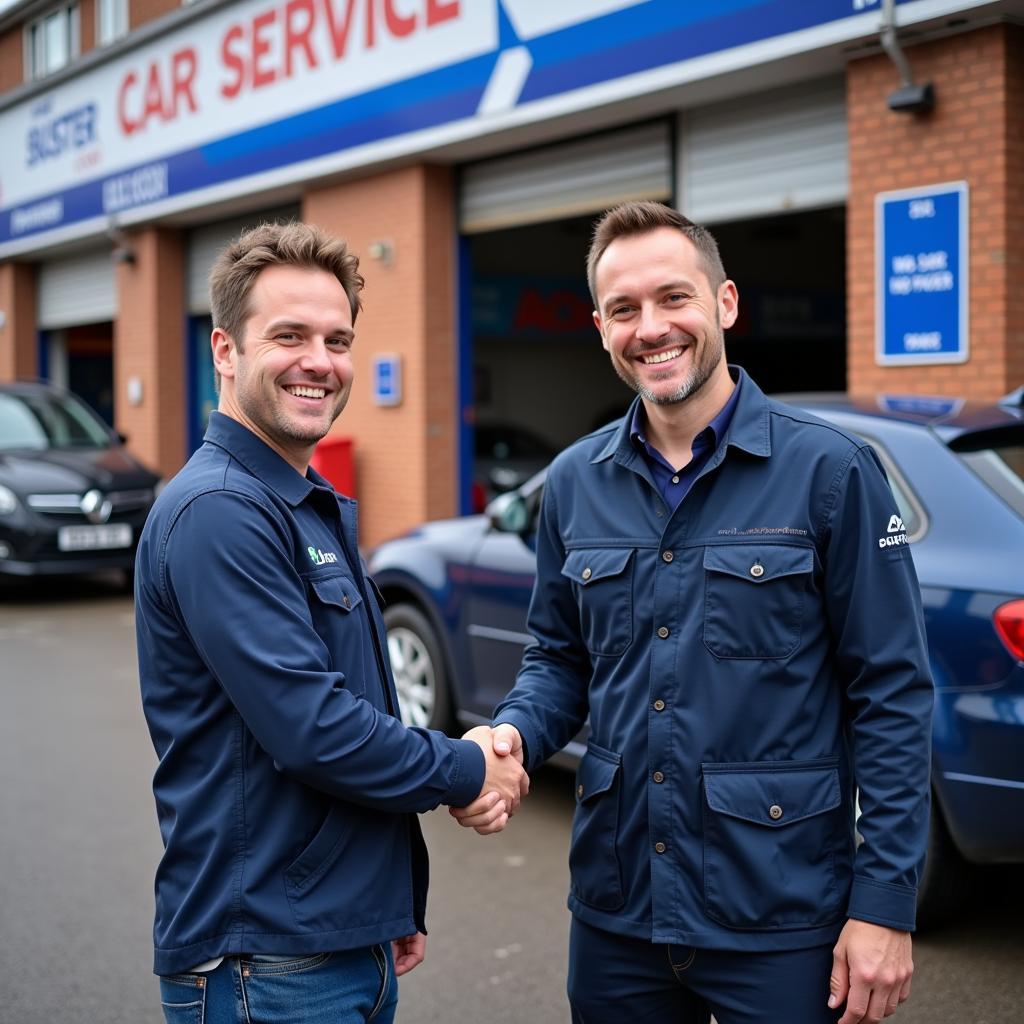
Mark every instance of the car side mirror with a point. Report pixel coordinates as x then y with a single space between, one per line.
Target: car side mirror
509 513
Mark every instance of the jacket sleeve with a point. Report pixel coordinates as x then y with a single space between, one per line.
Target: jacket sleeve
874 607
548 704
228 576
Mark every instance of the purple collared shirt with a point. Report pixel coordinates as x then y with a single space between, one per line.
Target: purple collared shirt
675 484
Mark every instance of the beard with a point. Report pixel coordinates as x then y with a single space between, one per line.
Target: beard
282 428
707 359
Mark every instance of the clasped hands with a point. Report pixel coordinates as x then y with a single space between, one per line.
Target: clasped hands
505 782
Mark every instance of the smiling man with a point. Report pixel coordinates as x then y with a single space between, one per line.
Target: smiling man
293 881
711 592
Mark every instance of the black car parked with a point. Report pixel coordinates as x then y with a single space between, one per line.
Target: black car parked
72 499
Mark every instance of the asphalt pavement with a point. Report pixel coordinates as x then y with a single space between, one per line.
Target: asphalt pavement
79 842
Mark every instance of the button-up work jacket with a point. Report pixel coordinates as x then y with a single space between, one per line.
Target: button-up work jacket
746 661
286 785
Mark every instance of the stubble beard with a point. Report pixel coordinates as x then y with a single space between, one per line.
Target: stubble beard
270 417
699 374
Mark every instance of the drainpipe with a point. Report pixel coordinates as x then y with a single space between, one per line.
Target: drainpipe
909 97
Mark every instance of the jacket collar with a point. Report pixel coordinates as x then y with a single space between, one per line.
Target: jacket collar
258 457
747 430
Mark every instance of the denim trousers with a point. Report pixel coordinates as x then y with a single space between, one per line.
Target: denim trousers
354 986
614 978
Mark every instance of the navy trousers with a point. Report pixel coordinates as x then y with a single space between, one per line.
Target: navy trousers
618 980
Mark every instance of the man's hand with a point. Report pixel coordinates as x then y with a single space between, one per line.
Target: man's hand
490 812
408 952
871 971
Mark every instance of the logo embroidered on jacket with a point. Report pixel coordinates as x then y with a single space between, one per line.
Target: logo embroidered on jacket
318 557
896 535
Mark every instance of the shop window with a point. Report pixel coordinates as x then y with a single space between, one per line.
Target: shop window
111 20
51 42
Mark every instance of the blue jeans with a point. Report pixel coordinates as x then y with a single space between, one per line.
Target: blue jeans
613 978
351 987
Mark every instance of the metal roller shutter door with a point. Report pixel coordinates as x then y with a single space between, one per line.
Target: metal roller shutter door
785 150
206 242
583 176
76 290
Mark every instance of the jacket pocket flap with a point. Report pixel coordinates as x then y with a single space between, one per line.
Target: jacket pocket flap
772 797
758 563
588 565
596 773
338 591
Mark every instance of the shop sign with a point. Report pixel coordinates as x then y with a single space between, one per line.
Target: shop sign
265 93
531 308
921 275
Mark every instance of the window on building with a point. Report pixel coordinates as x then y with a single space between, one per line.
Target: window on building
52 41
111 20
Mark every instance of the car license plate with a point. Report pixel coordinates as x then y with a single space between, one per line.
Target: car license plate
94 538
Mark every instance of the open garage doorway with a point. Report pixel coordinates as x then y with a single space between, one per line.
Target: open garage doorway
540 378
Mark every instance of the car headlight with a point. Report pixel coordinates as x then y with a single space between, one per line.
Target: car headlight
8 501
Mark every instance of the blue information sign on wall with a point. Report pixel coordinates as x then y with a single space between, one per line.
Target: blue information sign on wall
921 285
387 380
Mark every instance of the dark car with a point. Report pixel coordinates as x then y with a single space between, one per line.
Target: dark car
458 592
72 499
506 456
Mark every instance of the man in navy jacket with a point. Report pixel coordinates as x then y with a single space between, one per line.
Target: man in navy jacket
724 587
293 882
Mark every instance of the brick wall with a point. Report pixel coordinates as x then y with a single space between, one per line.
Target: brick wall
12 58
149 343
141 11
405 469
86 25
18 357
973 134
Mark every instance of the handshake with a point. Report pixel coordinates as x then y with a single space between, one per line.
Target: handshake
505 783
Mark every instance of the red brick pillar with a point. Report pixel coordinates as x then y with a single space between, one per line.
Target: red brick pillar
405 456
972 135
18 355
149 350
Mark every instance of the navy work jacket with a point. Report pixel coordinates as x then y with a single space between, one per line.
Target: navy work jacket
745 660
286 785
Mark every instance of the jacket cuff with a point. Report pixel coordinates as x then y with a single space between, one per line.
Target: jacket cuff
522 725
894 906
470 771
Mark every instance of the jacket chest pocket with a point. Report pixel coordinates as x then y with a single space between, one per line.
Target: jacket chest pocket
754 596
603 585
334 604
775 843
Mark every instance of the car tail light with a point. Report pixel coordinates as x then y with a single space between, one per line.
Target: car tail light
1009 622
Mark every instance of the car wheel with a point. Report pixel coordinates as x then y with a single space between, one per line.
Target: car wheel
946 881
418 668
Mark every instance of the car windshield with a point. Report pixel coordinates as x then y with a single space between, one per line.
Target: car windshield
999 461
36 422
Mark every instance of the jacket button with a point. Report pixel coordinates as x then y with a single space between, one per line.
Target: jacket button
587 573
667 556
659 705
347 601
775 812
757 570
579 790
663 632
660 847
658 777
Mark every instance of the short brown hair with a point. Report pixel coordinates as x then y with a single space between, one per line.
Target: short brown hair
638 218
294 244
